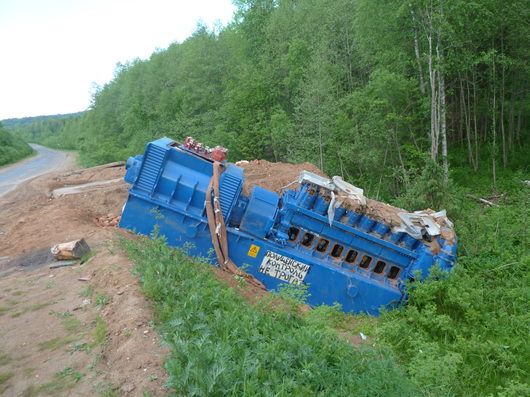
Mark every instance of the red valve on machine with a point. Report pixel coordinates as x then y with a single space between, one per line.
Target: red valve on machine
219 153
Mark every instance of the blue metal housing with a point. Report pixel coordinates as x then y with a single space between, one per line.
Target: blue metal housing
354 260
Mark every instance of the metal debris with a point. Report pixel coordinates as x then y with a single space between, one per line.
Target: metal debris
62 264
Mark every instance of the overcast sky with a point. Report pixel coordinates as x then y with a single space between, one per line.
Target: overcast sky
53 51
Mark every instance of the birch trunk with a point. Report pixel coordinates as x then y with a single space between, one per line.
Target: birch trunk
501 117
493 127
441 103
467 122
511 120
434 102
475 124
417 52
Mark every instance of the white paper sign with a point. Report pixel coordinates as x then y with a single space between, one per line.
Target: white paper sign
283 268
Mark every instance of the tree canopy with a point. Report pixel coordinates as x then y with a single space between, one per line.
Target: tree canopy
12 149
370 89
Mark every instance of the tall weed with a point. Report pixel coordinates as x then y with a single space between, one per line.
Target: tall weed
467 334
221 345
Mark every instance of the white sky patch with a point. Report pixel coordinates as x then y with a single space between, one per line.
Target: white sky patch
54 51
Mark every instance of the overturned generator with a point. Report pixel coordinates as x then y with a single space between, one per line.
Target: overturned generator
323 233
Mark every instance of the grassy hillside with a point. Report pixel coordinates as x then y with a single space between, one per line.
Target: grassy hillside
222 345
12 149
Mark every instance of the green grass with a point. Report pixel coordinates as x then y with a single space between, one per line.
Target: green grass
221 345
5 376
71 324
4 359
101 301
32 308
3 310
70 372
55 343
107 390
467 334
4 379
88 256
62 381
87 292
79 347
99 334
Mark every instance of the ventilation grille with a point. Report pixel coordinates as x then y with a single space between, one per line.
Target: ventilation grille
228 191
151 168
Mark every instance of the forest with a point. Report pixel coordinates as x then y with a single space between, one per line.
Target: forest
377 91
423 103
12 149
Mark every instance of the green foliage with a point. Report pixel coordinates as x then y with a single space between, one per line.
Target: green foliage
46 130
101 301
343 84
4 379
71 324
70 372
99 334
5 376
87 292
62 381
466 334
298 294
11 148
4 359
426 190
221 345
55 343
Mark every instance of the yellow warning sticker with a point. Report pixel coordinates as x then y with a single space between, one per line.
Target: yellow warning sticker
253 251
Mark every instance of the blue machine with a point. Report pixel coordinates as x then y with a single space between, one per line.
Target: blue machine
343 256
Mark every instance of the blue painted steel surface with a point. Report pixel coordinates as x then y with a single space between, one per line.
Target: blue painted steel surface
355 261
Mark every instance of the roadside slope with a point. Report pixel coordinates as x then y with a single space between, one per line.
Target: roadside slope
83 330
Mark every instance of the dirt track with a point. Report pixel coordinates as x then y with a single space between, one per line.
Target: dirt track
59 335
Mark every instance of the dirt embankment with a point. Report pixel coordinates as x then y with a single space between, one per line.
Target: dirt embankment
72 331
274 176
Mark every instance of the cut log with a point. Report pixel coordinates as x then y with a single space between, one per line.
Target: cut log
72 250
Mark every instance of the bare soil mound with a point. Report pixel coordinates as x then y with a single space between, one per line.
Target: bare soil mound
31 219
274 176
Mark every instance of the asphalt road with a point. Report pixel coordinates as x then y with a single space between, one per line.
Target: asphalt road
45 161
